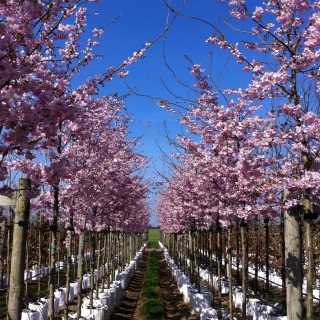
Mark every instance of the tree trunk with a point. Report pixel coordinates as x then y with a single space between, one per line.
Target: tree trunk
244 269
66 300
266 221
2 238
219 267
123 247
191 257
80 269
58 258
308 217
53 250
211 260
293 262
19 250
92 257
39 258
256 256
98 265
180 248
185 244
115 257
197 260
176 249
86 250
8 260
104 260
238 253
229 252
283 261
27 269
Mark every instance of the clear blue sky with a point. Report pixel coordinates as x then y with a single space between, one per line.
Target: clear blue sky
140 21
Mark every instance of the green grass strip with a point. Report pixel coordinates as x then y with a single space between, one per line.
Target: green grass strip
154 237
152 308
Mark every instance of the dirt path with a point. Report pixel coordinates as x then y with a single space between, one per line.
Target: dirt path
172 299
173 303
129 309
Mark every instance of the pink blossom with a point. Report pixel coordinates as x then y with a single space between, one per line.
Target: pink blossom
257 14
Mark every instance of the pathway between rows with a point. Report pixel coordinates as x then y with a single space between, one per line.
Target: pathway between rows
172 299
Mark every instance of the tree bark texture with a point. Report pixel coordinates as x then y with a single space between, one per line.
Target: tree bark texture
293 262
18 257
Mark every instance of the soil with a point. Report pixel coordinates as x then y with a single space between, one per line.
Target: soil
172 299
130 307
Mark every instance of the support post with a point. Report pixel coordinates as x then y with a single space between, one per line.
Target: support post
293 262
244 268
229 252
18 261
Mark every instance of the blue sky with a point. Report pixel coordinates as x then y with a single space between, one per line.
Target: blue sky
144 20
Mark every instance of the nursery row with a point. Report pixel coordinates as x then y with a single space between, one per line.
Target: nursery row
85 263
200 298
249 147
257 252
73 144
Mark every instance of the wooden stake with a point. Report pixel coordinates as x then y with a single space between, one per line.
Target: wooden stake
18 261
293 262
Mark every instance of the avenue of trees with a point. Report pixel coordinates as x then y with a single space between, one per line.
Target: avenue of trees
249 154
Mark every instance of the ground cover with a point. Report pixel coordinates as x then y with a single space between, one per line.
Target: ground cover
152 308
154 237
158 297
